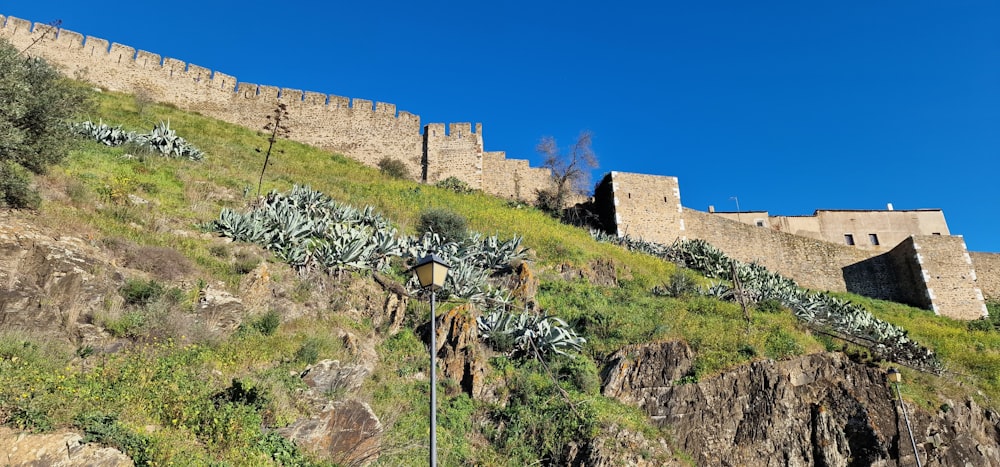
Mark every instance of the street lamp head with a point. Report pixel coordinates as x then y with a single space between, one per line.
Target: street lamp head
894 375
431 272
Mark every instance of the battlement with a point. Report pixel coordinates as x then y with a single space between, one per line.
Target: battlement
365 130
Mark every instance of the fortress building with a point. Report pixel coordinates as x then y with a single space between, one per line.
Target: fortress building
906 255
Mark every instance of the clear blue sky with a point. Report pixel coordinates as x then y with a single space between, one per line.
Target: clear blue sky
790 106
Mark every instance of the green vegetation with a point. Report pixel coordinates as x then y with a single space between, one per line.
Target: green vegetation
177 393
36 109
394 168
448 224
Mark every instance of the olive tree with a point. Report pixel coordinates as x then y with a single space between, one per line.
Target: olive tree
37 107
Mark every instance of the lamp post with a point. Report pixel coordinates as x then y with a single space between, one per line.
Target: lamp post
431 272
896 377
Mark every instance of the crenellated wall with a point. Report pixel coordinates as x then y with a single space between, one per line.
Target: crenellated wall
933 271
359 128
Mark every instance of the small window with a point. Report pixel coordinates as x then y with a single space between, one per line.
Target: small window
873 238
760 223
849 239
936 233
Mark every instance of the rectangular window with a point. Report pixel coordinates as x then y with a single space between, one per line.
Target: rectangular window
873 238
760 223
849 239
936 233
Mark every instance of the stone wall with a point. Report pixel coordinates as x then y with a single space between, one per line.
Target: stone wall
647 206
889 227
930 271
812 263
455 153
513 178
988 274
358 128
949 276
895 275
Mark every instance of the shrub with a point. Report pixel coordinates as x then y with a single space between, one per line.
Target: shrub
36 110
163 262
579 372
455 184
105 429
15 187
769 305
449 225
141 293
681 284
268 323
550 202
308 352
394 168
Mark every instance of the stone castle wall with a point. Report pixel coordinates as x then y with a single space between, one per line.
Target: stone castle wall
987 273
929 271
814 264
358 128
646 206
949 276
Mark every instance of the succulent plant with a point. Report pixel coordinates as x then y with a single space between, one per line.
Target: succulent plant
160 139
532 335
819 310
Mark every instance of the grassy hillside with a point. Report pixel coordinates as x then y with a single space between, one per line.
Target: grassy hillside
159 399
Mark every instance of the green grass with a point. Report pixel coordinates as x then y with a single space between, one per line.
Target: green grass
162 389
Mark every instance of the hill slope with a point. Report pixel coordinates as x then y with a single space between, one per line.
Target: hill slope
185 347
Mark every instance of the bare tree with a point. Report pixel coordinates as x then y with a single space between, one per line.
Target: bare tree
570 170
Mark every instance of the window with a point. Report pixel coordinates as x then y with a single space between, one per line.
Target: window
936 233
873 238
760 223
849 239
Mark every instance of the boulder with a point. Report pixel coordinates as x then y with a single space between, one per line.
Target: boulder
59 449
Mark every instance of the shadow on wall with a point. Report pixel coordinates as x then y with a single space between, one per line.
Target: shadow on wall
894 275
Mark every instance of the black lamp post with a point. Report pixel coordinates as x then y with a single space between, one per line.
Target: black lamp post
431 272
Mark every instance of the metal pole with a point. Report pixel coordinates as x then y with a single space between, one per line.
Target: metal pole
433 383
913 443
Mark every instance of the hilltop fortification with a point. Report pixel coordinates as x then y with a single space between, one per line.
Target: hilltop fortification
906 256
358 128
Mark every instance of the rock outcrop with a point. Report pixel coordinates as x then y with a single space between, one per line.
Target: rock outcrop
59 449
49 284
460 355
346 432
820 409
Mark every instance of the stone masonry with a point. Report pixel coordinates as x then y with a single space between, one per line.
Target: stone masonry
935 272
358 128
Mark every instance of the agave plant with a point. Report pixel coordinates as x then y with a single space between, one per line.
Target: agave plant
532 335
160 139
819 310
165 141
104 134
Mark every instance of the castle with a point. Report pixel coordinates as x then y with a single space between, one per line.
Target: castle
905 256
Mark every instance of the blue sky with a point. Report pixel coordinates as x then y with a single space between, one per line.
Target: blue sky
789 106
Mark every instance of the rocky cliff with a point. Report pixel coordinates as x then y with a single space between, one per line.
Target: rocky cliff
820 409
